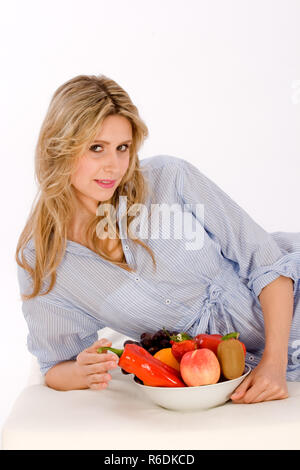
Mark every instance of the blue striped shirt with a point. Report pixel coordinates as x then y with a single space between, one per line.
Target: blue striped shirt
212 289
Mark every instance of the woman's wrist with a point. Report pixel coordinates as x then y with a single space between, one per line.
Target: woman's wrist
65 376
277 356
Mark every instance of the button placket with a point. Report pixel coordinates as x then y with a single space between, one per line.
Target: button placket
129 255
147 287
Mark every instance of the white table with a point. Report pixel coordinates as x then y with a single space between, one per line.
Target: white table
121 417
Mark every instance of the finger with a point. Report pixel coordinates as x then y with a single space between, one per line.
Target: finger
99 378
258 388
95 358
275 393
100 367
240 391
263 396
108 356
97 344
90 358
98 382
99 386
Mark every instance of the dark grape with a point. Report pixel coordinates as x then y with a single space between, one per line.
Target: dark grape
153 349
129 341
159 336
139 381
165 343
146 335
153 342
156 338
146 340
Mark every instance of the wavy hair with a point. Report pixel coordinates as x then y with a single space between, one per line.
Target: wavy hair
74 116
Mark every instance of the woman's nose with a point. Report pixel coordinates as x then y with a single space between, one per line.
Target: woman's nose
112 163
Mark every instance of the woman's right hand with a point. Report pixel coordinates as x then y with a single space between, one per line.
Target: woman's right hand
92 367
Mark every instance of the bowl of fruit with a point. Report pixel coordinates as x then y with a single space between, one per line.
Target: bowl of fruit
182 373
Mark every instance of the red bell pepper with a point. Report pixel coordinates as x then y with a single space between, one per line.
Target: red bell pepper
208 341
212 341
138 361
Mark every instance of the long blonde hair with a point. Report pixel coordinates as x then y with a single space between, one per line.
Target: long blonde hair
76 111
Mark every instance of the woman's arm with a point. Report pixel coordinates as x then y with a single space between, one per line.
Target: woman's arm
64 376
267 381
89 370
277 303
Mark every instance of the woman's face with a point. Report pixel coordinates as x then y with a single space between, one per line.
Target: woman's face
107 158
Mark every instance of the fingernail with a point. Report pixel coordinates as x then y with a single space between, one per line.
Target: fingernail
114 356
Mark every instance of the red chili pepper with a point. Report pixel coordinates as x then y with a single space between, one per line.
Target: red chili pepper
182 347
136 360
212 341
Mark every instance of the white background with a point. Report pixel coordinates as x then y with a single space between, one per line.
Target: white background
217 83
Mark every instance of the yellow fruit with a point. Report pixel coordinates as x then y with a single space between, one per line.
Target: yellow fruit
165 355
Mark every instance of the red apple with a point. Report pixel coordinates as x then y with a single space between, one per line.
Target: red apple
200 367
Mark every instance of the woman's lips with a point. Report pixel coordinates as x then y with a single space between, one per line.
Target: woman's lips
106 183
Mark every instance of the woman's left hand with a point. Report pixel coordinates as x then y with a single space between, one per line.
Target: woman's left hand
266 382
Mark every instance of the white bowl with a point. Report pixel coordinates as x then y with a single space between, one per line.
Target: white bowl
193 398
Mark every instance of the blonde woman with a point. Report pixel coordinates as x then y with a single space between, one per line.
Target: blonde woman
81 265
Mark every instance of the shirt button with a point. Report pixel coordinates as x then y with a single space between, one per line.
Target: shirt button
126 247
168 301
251 358
137 279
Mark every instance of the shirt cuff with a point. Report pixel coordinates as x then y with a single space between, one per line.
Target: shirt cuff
288 266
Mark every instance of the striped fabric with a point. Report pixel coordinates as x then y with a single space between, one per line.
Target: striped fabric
212 288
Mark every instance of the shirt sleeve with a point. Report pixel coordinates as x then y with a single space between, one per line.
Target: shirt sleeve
56 333
259 258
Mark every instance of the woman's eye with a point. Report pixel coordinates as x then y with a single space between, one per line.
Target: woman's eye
123 145
93 147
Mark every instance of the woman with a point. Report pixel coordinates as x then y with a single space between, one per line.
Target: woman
81 267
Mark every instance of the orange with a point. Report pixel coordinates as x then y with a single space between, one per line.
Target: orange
165 355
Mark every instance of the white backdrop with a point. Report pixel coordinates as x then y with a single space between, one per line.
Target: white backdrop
217 83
